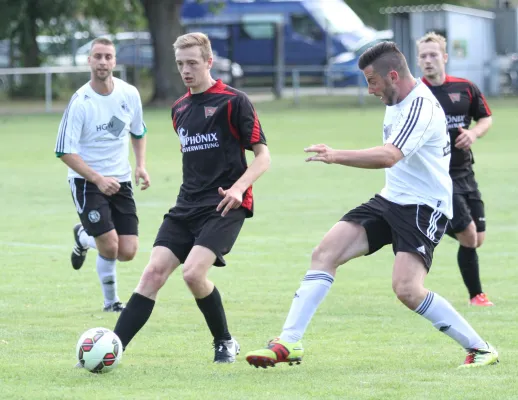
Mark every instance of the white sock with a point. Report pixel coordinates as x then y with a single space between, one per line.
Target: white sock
443 316
91 242
311 293
86 241
108 278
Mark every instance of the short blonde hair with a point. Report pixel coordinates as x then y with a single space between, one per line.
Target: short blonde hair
195 39
432 37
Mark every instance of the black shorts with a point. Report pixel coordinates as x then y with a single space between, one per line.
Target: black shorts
100 213
467 206
410 228
183 228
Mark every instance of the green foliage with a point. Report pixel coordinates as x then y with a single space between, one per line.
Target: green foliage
23 20
118 15
16 15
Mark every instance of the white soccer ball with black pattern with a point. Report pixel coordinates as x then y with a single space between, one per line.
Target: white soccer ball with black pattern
99 350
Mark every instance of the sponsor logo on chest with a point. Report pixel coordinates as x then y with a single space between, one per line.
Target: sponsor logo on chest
454 121
111 130
198 141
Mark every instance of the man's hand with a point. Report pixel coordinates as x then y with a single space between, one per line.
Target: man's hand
465 139
232 198
324 153
141 173
108 185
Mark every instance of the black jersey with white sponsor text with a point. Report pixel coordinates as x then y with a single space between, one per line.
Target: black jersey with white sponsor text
215 128
462 102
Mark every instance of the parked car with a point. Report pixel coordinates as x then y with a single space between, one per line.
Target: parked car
313 32
343 69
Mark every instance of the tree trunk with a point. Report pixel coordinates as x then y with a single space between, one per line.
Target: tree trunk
31 85
164 26
28 44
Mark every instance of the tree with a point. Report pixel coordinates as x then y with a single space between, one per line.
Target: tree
164 24
22 21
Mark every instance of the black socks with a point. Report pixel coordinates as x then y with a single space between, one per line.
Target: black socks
212 309
133 317
467 258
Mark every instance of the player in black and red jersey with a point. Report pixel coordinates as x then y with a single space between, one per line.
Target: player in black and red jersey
462 102
215 124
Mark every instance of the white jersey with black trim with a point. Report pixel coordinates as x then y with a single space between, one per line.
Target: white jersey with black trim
417 126
97 128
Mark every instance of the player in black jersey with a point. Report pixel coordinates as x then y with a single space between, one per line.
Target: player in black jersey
215 124
462 102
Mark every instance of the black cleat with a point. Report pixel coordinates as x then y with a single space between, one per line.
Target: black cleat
226 351
115 307
78 255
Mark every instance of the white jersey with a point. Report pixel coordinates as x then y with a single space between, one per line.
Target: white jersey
417 126
97 128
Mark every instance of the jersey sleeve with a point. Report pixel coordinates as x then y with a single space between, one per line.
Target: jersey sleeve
479 107
248 126
137 127
70 128
411 130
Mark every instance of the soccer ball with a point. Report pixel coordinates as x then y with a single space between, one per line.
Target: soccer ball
99 350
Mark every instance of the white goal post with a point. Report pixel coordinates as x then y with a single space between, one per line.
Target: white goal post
48 72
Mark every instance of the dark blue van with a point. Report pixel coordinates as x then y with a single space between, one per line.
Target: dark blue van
316 32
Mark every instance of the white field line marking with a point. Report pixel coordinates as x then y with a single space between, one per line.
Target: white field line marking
51 247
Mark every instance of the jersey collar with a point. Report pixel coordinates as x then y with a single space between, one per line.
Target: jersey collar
447 79
216 88
409 96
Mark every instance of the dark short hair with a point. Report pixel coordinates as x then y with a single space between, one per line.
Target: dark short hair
101 40
384 57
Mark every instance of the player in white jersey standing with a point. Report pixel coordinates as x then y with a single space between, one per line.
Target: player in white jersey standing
93 141
411 212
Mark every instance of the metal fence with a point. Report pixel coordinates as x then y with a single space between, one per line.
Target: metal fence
10 75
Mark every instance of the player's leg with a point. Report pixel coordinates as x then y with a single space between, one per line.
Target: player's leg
171 247
361 231
93 208
82 240
215 238
465 229
345 241
106 265
120 243
141 303
476 206
128 246
414 245
124 215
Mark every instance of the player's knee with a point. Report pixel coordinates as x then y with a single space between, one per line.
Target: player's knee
110 252
405 291
322 258
108 247
128 252
192 275
153 278
468 237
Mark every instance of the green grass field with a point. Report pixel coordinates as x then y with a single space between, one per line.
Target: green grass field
362 343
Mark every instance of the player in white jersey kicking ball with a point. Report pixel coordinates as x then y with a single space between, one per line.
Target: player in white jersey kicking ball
411 212
93 142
